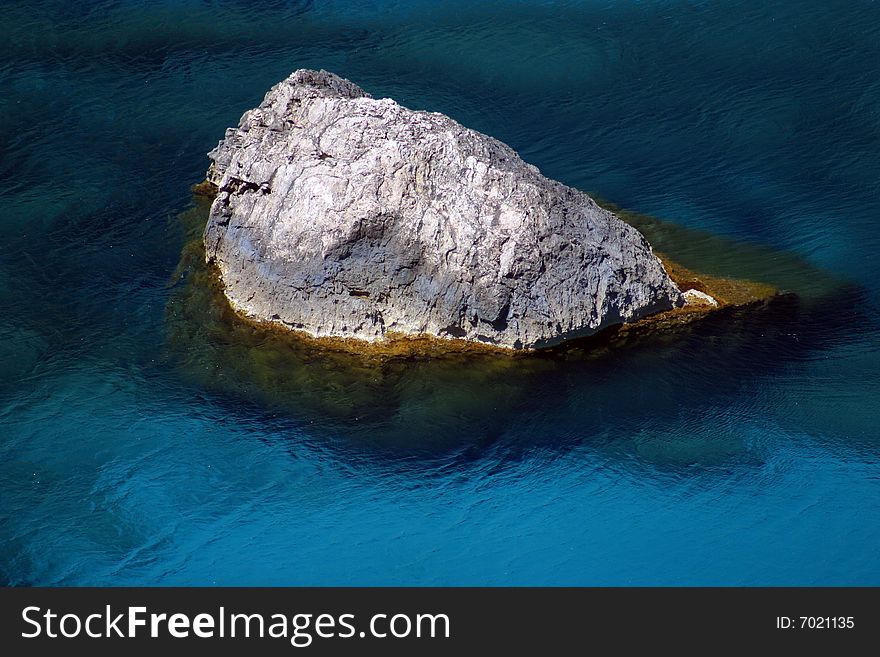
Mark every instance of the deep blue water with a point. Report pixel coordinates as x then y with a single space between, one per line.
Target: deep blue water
730 454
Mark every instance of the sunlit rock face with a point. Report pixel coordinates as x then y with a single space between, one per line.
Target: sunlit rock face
346 216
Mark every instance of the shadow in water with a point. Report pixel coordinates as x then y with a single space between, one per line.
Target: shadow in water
612 393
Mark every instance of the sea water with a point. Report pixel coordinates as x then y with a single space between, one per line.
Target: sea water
146 440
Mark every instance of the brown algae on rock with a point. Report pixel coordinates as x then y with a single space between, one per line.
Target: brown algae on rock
726 292
203 293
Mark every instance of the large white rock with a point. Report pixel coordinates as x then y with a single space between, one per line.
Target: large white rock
342 215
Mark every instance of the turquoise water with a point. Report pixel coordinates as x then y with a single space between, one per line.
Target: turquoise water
141 444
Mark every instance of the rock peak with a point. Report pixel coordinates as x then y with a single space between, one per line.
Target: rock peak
323 84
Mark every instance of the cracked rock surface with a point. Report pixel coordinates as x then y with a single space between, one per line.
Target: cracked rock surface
352 217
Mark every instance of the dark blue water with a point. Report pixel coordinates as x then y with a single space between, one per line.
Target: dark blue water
144 441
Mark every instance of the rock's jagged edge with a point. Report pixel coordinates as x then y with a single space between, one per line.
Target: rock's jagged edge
258 212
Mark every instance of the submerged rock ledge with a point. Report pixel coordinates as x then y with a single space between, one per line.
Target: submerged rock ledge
356 220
